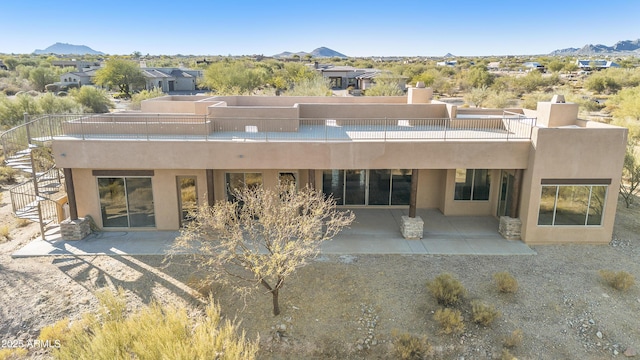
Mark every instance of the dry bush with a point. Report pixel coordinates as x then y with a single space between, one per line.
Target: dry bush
5 232
507 355
446 289
450 320
7 175
482 313
620 280
154 332
22 222
513 340
407 346
13 353
56 331
506 282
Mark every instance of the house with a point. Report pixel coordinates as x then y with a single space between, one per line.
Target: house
343 77
589 65
167 79
368 79
80 65
549 176
171 79
534 65
80 77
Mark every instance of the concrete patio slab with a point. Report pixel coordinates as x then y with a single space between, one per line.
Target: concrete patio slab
375 231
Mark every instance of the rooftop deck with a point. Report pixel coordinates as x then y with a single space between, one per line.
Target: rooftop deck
157 127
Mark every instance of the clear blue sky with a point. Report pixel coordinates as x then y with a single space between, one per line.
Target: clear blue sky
354 28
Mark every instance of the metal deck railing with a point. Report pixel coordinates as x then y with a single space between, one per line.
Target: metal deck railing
193 127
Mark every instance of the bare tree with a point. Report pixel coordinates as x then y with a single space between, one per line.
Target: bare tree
264 236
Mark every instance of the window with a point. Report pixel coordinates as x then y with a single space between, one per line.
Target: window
288 179
126 202
187 198
562 205
368 187
236 181
472 184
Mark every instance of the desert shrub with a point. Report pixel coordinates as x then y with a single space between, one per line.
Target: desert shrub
4 232
450 320
7 175
620 280
507 355
136 99
14 353
446 289
513 340
52 88
22 222
505 282
154 332
482 313
407 346
92 99
56 331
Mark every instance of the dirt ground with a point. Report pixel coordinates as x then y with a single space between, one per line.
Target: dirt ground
350 307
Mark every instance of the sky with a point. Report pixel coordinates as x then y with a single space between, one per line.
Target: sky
354 28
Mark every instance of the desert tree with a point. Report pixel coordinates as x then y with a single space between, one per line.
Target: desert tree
263 236
233 77
386 85
41 76
121 74
630 175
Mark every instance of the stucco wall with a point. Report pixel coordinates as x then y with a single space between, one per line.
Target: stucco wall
592 153
123 154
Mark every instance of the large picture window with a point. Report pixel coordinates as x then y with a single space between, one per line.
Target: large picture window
237 181
581 205
472 184
126 202
368 187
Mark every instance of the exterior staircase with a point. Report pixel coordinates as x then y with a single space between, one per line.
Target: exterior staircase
41 194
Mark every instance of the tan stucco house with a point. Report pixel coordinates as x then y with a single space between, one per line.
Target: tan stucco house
548 175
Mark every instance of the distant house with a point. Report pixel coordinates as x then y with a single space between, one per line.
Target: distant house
171 79
80 78
449 63
166 79
368 79
534 65
80 65
589 65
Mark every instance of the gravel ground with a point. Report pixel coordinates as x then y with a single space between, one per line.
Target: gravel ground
350 307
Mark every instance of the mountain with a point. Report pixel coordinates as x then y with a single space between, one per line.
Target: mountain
321 52
68 49
625 47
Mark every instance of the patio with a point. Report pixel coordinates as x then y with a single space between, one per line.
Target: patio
375 231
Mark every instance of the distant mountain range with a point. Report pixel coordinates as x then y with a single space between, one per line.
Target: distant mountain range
626 47
321 52
68 49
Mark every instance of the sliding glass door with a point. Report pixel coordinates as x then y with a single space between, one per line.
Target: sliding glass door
126 202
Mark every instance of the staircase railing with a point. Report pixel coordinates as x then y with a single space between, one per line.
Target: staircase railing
25 147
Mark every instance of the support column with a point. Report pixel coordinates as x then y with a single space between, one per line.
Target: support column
515 199
510 227
312 179
71 194
412 226
211 200
413 197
